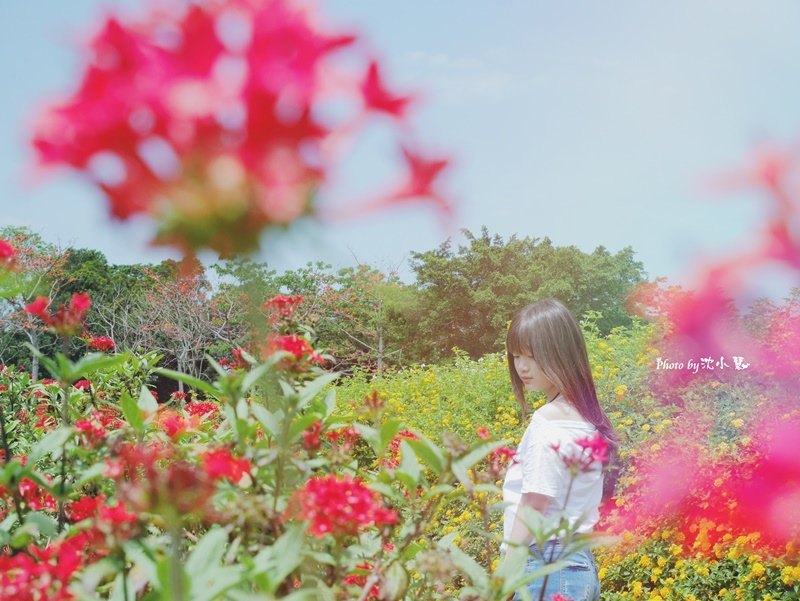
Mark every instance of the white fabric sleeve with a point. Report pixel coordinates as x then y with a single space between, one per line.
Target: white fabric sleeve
543 471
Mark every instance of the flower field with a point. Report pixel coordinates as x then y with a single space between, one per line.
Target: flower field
165 440
662 558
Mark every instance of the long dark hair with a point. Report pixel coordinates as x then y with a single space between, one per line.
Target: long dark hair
547 331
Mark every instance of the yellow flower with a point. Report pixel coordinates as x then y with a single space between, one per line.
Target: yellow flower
601 574
737 423
646 427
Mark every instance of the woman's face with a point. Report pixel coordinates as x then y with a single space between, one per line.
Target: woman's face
532 376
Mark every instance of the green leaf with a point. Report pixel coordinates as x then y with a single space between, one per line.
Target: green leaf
98 469
326 404
207 552
280 559
52 441
95 362
396 582
142 559
409 465
299 424
471 568
209 389
255 374
389 430
314 387
266 418
478 453
147 402
132 413
370 435
216 580
428 453
221 371
43 523
545 570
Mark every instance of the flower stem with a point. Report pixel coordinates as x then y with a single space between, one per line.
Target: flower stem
176 566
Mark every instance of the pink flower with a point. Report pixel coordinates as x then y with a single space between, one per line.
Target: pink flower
213 133
378 98
559 597
483 433
597 446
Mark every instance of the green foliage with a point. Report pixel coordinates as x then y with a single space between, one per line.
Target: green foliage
469 294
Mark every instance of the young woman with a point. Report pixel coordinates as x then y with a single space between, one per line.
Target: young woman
547 352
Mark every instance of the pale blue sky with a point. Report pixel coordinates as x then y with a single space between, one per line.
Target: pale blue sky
587 122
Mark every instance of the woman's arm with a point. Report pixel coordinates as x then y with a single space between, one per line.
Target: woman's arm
520 532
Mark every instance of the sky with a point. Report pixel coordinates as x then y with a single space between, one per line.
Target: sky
589 123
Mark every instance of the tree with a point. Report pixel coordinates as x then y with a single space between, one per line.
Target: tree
179 317
468 295
40 269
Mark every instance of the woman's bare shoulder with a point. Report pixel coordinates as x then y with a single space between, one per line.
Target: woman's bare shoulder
559 411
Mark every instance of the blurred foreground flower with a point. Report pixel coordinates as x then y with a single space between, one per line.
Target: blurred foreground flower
208 117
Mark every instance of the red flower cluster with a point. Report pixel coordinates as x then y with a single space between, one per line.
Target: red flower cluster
359 579
499 460
302 353
754 490
95 428
152 478
311 439
217 121
219 464
198 409
236 362
44 573
102 343
343 439
282 306
33 496
7 255
68 319
392 459
341 506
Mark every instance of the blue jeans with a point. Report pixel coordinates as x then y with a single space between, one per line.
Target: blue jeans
577 581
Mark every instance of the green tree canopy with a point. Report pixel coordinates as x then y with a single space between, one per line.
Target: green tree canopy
468 294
